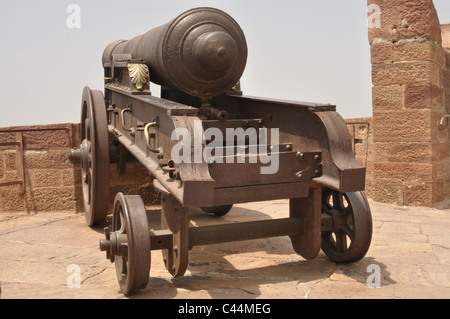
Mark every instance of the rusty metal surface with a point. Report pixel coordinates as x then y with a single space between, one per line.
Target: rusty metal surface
199 58
129 247
202 52
94 156
175 218
348 239
307 243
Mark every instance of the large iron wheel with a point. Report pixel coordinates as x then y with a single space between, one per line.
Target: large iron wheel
132 257
94 156
350 235
218 210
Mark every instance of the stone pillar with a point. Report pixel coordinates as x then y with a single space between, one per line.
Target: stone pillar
446 45
445 30
408 63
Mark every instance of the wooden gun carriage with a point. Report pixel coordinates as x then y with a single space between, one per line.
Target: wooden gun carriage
198 59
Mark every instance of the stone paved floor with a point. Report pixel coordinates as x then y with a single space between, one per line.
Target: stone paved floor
410 247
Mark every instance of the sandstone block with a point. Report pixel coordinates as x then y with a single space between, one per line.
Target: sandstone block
424 96
46 178
47 159
79 205
11 200
402 19
381 151
71 176
9 176
387 190
51 199
439 186
37 140
419 50
9 158
7 138
418 195
445 31
421 72
403 126
416 173
382 51
2 168
410 152
389 97
442 170
447 100
440 151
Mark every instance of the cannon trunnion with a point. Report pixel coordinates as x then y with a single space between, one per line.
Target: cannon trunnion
209 146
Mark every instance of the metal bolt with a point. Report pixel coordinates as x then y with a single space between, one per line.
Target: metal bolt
317 157
107 233
299 175
300 155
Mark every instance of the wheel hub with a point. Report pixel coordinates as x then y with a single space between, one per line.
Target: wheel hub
84 148
338 220
114 244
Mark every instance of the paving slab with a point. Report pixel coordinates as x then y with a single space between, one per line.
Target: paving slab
56 256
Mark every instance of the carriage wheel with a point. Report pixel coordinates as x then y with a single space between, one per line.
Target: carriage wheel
94 156
349 238
130 242
218 210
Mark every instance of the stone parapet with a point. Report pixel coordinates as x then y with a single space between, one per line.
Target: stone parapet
52 183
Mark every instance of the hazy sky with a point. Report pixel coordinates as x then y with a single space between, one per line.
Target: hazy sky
300 50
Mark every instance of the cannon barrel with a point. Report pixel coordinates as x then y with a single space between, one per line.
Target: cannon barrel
202 52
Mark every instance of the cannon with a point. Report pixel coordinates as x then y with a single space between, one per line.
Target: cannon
209 146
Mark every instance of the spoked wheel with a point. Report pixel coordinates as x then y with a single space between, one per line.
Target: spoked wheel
218 210
128 245
94 156
350 234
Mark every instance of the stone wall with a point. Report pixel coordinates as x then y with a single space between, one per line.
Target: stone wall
408 65
446 44
52 183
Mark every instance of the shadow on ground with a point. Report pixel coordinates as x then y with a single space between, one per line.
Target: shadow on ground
248 269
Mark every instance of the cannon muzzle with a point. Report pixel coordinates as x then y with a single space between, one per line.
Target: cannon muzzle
202 52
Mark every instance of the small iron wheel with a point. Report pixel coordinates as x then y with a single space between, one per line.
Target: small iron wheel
94 156
218 210
130 243
351 232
